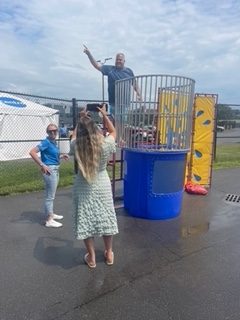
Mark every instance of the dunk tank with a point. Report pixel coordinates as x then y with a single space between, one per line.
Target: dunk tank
154 133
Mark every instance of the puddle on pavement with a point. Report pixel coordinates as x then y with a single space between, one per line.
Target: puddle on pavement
188 231
217 221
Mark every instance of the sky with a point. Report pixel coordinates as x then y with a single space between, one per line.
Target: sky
42 44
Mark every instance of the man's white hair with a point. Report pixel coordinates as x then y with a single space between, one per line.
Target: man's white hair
120 54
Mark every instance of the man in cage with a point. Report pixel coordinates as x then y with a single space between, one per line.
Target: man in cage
113 73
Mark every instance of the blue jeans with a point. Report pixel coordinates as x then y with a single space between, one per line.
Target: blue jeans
51 183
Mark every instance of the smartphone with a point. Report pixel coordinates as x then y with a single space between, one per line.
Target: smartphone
93 107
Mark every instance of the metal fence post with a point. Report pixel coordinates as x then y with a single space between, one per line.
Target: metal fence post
74 106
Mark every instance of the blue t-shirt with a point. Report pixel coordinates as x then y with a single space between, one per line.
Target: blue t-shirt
50 154
114 74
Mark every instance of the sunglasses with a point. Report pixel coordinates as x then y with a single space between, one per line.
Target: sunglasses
52 131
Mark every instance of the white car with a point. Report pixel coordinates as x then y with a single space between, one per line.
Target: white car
220 128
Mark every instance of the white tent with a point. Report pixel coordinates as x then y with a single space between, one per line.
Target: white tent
21 121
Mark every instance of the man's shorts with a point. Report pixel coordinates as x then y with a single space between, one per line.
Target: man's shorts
111 110
120 118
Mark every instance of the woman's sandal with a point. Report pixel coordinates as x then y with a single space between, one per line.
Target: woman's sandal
109 262
90 264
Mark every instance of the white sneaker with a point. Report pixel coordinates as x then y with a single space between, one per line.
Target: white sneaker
53 224
57 216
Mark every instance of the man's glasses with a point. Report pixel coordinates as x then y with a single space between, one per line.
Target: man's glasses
52 131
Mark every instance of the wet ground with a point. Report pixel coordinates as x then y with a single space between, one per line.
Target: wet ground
184 268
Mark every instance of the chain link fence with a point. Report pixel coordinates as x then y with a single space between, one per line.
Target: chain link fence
23 122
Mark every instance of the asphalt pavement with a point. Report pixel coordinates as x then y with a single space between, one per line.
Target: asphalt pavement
231 136
184 268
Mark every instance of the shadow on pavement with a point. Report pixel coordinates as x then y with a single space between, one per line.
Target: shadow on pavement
58 252
30 217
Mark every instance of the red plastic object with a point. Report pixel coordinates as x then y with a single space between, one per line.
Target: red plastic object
195 188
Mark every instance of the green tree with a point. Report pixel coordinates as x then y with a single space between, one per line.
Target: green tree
236 113
224 112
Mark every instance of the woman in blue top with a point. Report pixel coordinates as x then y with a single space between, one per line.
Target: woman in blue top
49 163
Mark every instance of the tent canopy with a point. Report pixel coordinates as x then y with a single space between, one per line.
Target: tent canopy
24 121
10 104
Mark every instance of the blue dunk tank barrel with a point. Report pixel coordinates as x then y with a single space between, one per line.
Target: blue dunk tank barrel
154 130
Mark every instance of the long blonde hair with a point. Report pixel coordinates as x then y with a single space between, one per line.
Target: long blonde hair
88 147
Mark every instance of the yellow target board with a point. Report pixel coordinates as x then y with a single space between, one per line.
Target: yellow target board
203 137
172 119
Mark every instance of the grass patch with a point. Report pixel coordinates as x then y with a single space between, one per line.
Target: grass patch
25 176
227 156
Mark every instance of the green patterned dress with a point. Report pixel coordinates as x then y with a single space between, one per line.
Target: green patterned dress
93 208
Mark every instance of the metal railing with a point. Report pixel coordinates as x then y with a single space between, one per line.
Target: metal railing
159 117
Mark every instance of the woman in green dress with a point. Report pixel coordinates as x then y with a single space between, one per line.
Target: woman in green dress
93 207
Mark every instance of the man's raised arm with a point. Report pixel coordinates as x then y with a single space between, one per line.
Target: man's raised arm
91 59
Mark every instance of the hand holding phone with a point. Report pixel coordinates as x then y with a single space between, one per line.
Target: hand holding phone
102 110
94 107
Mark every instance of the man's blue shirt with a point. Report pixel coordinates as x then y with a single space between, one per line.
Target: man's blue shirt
50 154
114 74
